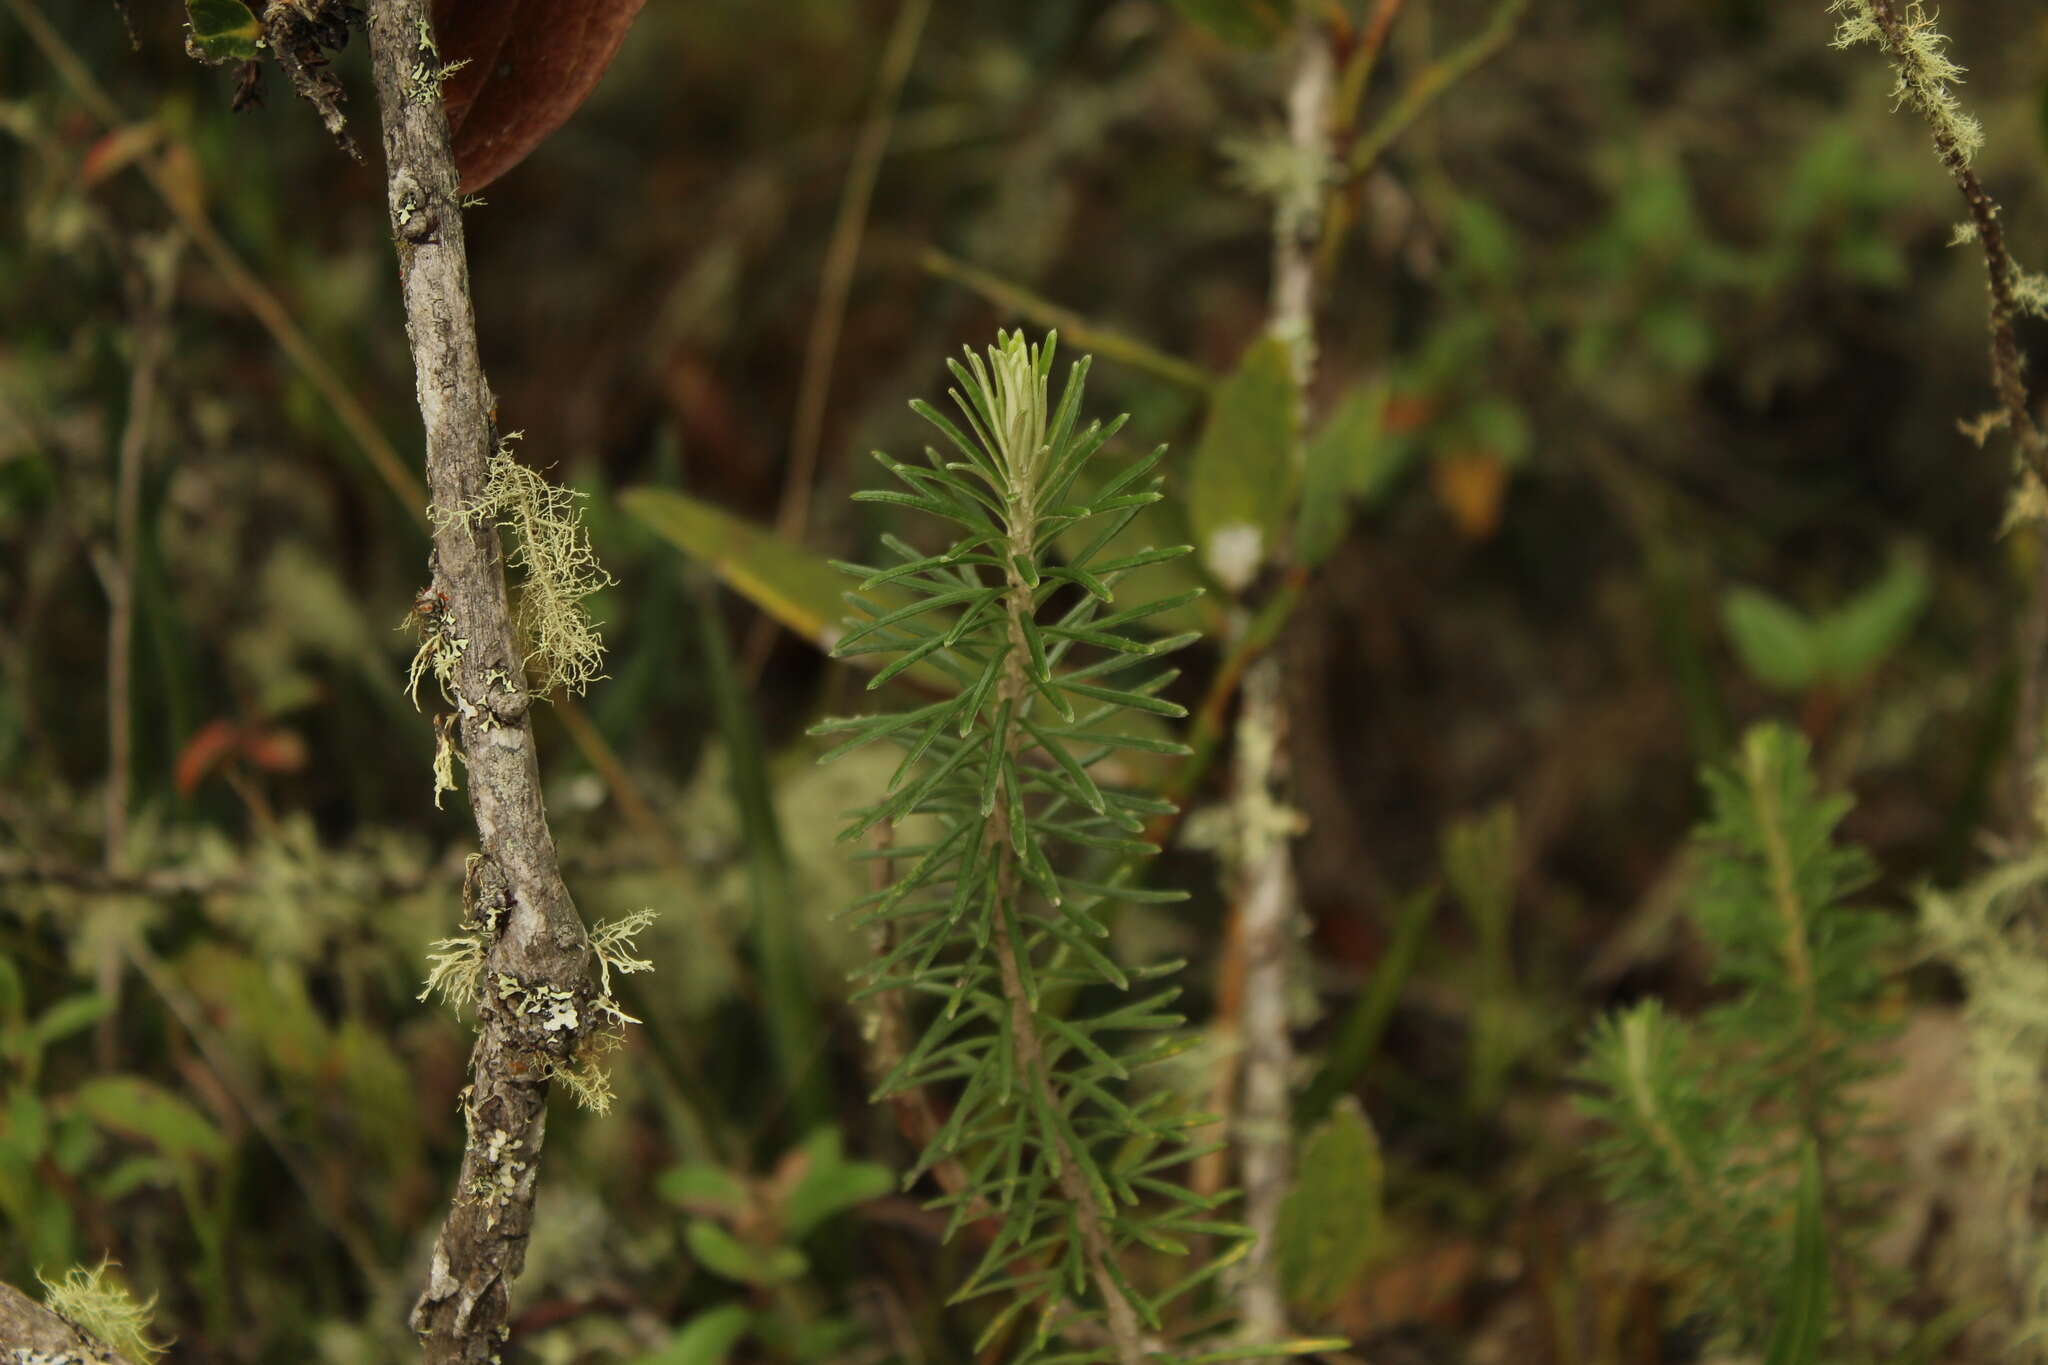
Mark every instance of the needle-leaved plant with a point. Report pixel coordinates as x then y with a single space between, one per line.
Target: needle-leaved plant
996 906
1722 1128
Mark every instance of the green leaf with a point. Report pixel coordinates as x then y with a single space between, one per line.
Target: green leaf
66 1017
1857 636
223 30
1352 457
721 1253
1330 1221
1802 1322
701 1186
1778 645
1241 23
1246 471
830 1185
135 1173
138 1108
26 1135
788 582
706 1339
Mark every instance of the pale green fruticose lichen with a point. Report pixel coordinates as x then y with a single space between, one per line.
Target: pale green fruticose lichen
558 569
103 1309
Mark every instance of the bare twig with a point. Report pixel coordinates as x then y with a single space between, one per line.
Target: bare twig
536 945
155 280
841 255
153 289
1267 899
29 1331
1431 82
1077 330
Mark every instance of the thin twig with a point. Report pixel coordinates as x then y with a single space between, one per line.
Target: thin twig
29 1331
154 284
1072 327
154 289
1266 904
842 254
536 947
1431 82
1924 88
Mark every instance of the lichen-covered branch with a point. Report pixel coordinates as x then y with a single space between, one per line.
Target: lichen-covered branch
1926 77
1267 897
539 1013
31 1332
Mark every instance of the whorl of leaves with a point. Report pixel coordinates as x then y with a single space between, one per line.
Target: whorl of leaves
997 911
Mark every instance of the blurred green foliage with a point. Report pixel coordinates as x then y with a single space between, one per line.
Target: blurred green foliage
1641 358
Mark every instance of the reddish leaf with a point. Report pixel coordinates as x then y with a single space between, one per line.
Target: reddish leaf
205 751
531 63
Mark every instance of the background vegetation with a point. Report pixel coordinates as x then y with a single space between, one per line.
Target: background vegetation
1646 348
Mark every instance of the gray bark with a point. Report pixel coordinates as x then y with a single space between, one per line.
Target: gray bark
535 941
32 1333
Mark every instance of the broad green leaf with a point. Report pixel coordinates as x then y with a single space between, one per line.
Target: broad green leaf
1856 637
1246 470
721 1253
1329 1222
791 584
1779 646
66 1017
701 1186
1802 1322
223 30
74 1143
138 1108
27 1132
1242 23
1353 458
1325 513
135 1173
706 1339
830 1184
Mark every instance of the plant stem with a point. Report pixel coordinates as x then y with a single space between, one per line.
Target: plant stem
1268 899
1813 1043
841 255
1125 1332
540 943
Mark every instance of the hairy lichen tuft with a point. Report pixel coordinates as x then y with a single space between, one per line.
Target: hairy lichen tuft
103 1308
1927 76
558 569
